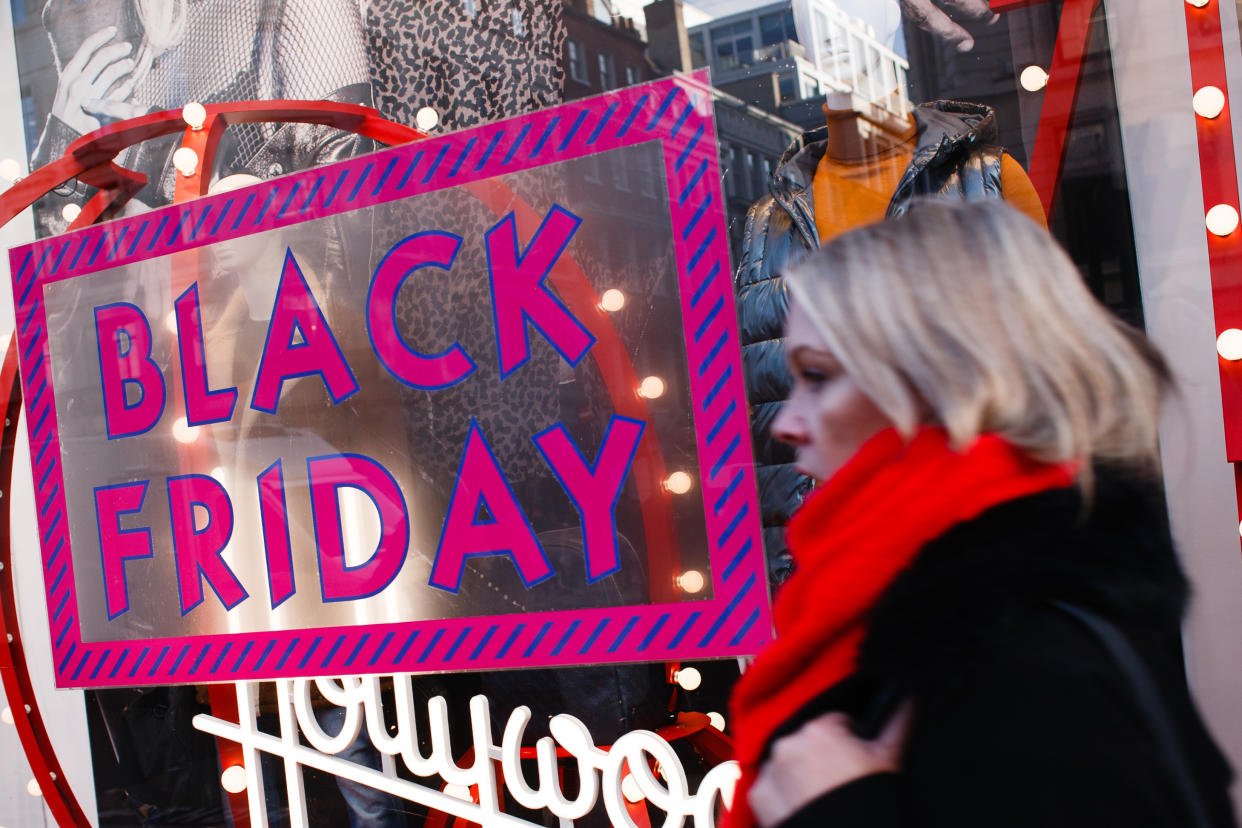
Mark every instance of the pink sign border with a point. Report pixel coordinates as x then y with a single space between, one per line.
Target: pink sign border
735 621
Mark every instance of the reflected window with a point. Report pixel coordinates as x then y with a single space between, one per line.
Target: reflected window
698 53
734 45
777 28
577 61
607 72
788 88
620 172
631 76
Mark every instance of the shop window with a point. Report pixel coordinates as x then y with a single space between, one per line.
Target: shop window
607 72
577 61
777 28
698 54
734 45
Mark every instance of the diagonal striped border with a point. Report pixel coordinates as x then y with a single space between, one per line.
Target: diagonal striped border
734 621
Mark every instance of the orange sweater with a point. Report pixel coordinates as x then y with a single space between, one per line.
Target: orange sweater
849 195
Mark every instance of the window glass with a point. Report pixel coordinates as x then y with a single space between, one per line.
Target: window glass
698 54
577 61
733 45
777 27
607 72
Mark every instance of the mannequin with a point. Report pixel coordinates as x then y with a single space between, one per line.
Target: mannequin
867 155
872 164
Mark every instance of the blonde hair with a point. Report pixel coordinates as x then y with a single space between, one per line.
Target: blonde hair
970 316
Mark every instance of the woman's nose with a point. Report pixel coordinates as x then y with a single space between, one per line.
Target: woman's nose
787 426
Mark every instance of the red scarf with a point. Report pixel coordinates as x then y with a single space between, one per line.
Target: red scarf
849 541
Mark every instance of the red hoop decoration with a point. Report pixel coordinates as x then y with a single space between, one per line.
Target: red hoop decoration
91 159
14 672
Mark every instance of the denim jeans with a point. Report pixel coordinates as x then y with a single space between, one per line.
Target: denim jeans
368 807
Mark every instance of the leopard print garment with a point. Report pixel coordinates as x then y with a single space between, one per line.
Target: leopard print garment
500 61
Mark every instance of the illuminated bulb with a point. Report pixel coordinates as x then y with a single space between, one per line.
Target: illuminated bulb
716 720
1209 102
6 715
630 788
185 160
651 388
233 779
612 301
170 322
1229 344
194 114
678 482
1222 220
426 119
183 432
10 169
459 792
70 212
1198 4
690 581
688 678
32 788
1033 78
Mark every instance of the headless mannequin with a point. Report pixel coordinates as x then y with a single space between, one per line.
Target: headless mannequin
864 162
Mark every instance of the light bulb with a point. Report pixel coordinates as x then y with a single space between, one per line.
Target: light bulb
70 212
1222 220
185 159
690 581
32 788
1229 344
194 114
233 779
1033 78
651 388
688 678
716 720
1209 102
678 482
426 119
459 792
6 715
612 301
170 322
183 432
630 788
10 169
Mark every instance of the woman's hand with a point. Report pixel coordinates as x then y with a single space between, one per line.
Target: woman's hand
96 83
821 756
926 15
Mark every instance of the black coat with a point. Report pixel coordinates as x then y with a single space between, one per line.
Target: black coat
1022 717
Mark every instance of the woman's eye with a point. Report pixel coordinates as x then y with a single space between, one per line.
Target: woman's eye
813 376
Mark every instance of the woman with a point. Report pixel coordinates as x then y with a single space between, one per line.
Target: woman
985 434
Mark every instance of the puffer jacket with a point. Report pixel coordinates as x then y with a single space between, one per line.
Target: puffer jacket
955 156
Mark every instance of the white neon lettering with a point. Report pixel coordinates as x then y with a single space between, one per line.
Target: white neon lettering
601 771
